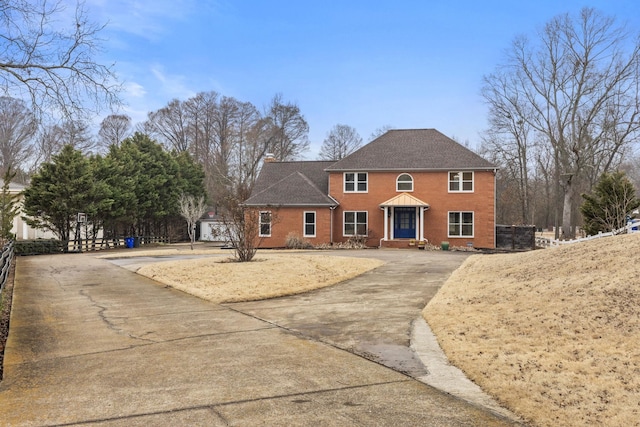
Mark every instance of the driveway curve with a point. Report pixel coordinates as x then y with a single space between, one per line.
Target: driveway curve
370 315
95 344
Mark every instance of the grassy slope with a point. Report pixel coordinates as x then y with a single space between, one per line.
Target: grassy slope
553 334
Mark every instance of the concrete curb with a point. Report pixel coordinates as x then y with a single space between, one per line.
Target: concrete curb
446 377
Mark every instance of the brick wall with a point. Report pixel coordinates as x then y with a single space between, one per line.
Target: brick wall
291 220
430 187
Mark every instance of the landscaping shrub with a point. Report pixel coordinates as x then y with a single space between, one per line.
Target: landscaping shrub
294 241
38 247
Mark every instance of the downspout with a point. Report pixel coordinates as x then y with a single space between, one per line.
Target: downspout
332 209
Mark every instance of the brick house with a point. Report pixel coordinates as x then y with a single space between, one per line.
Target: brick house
404 187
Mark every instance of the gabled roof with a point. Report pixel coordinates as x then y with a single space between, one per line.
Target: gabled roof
292 184
404 199
411 149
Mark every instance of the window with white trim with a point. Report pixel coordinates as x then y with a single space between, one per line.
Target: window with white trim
460 182
404 182
355 223
460 224
265 224
310 224
355 182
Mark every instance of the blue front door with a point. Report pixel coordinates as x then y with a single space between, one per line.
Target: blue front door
404 223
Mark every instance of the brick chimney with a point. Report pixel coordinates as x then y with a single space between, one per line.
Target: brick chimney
269 158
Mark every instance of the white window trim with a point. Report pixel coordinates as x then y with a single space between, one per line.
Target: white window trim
305 223
355 228
412 183
449 181
473 225
355 182
260 223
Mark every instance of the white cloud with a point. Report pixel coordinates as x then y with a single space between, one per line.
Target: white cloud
134 90
173 86
149 19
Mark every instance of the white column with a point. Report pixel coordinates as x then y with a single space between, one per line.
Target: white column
417 225
421 222
386 223
391 222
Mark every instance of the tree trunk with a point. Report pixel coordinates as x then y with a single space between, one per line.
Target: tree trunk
567 209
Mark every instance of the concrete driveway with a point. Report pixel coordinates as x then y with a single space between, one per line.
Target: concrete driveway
95 344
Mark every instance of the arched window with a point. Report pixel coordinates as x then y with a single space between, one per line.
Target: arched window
404 182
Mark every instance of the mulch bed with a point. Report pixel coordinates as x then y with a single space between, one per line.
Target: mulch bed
5 313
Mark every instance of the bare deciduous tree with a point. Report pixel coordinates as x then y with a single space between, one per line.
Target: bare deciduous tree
18 126
509 136
114 129
77 133
251 146
289 130
578 84
243 225
49 142
379 132
53 137
341 141
170 125
47 55
191 209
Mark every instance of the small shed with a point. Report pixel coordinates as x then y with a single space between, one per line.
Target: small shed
212 228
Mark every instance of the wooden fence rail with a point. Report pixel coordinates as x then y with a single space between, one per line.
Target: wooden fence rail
52 246
5 261
631 227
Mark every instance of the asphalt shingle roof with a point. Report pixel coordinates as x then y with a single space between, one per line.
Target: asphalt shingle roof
303 183
412 149
306 183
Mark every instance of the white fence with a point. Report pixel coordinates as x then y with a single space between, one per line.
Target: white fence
631 227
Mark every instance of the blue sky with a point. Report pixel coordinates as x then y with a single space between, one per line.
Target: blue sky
367 64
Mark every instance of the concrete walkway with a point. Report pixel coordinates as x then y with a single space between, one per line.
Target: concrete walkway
95 344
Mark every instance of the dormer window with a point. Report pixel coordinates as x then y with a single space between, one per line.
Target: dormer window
404 182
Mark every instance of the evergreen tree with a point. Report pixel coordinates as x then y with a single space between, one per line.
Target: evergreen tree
58 192
613 198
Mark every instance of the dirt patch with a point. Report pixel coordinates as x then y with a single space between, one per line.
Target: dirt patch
552 334
268 276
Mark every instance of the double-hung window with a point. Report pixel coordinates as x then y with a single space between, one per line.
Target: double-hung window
265 224
460 224
460 182
355 223
309 224
355 182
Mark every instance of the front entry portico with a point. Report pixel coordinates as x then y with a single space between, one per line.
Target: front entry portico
404 217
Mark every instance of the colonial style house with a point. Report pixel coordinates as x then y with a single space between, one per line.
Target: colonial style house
405 187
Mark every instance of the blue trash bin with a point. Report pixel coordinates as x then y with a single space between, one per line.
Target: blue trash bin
128 241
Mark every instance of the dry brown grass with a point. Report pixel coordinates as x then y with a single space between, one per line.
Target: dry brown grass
270 275
553 334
